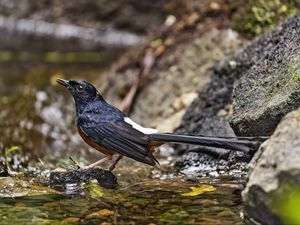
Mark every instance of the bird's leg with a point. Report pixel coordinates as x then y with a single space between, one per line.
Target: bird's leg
75 163
112 167
108 157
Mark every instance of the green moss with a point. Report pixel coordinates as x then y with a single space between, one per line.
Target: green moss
261 14
285 200
174 216
289 207
6 55
293 73
296 77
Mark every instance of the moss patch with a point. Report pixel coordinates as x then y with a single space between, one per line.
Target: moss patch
261 14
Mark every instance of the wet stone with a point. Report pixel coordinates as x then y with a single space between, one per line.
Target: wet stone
105 178
273 185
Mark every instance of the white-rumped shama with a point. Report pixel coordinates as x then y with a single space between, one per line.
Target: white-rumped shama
108 130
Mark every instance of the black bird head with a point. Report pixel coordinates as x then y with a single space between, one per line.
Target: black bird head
81 90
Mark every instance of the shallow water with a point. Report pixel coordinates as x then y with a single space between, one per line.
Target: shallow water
152 202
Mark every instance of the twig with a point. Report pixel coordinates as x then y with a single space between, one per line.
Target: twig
143 75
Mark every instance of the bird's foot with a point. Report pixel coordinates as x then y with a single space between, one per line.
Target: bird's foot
91 167
76 164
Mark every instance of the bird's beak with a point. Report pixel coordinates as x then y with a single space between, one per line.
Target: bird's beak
63 82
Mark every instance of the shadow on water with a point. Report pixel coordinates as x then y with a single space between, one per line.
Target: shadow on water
153 202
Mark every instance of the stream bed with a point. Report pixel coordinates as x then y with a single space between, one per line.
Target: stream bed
149 202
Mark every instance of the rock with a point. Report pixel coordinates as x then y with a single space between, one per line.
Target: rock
275 173
269 89
105 178
12 187
210 112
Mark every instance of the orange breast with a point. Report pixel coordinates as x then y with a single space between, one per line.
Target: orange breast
95 145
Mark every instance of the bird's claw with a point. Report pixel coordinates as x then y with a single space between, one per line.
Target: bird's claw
90 167
76 164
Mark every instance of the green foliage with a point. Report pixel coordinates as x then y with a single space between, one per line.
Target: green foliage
261 14
10 150
156 43
289 207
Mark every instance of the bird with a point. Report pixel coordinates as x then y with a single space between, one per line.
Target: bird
111 132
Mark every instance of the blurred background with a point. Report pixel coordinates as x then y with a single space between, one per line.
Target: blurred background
170 65
110 43
41 41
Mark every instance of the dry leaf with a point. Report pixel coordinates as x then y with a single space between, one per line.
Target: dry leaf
100 213
202 188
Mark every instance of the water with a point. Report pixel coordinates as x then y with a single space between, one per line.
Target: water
151 202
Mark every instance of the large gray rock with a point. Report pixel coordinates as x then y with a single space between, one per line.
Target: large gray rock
270 88
275 173
209 114
267 91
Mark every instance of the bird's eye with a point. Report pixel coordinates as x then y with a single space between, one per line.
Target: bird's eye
79 88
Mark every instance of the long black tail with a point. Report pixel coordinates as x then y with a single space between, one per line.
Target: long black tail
244 144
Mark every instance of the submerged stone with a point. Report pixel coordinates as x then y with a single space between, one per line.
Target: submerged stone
105 178
13 187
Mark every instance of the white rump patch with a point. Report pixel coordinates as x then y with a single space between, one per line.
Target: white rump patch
139 127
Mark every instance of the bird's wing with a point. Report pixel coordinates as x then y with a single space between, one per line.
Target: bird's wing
122 138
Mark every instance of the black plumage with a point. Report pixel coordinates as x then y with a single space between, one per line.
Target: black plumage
107 129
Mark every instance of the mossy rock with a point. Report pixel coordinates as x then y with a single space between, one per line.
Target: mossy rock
270 88
272 194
